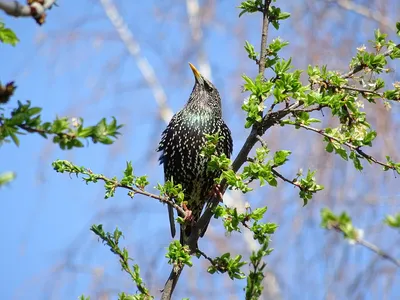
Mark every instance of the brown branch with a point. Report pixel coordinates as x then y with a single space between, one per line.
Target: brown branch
165 200
370 246
41 131
264 37
171 282
349 145
361 90
309 109
35 9
294 183
275 172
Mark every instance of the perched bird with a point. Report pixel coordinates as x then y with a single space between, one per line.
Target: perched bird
181 145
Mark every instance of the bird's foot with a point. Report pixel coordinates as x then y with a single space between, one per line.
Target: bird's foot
188 213
216 192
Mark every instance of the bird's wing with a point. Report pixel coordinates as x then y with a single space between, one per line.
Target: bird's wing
165 136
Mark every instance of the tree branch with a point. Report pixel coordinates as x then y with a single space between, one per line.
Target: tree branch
264 37
360 67
294 183
349 145
371 247
360 90
63 166
165 200
16 9
44 132
171 282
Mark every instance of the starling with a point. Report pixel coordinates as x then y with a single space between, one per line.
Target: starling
181 145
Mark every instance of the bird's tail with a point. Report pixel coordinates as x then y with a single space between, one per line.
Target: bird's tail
171 220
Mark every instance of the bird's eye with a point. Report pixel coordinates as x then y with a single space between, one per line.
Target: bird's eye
208 86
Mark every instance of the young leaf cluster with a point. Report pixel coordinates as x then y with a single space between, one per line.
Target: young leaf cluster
250 219
393 221
254 286
179 255
110 184
112 241
340 222
67 133
171 190
227 264
257 168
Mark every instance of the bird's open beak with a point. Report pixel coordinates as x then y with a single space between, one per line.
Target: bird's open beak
196 73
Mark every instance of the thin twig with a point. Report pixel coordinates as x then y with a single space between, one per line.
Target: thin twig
371 247
349 145
207 257
294 183
361 90
360 67
264 37
41 131
275 172
309 109
144 193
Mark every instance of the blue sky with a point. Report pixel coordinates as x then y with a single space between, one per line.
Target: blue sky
48 251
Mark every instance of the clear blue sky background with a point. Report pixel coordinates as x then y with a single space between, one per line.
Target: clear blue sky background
46 247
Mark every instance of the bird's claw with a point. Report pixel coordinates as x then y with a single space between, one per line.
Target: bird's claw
188 213
216 192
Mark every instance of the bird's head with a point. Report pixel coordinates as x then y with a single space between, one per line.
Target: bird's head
204 94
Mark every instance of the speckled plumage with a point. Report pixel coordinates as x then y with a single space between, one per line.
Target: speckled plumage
181 144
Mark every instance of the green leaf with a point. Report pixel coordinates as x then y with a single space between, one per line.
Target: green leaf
342 152
369 138
280 157
250 6
356 161
14 138
258 213
7 36
250 51
6 177
283 15
393 221
178 254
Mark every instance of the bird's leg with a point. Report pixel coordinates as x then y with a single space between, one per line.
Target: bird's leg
216 192
188 213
